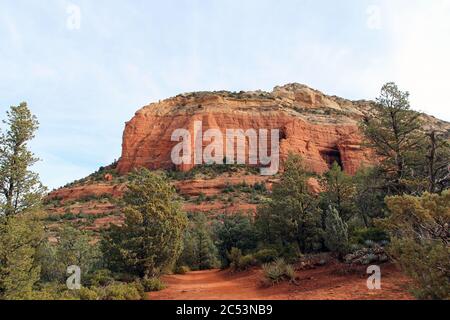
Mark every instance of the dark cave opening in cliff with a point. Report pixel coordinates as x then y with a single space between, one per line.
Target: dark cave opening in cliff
283 134
331 156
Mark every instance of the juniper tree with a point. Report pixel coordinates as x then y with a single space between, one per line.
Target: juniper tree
234 231
74 248
292 216
150 241
199 250
420 236
339 191
419 218
369 195
206 250
336 232
20 238
20 188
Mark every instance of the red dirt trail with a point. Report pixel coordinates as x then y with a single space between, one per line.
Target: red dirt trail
323 283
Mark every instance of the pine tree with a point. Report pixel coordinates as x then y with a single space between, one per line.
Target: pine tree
20 188
234 231
369 195
437 166
150 241
20 237
293 215
393 130
207 252
199 250
21 192
188 257
339 191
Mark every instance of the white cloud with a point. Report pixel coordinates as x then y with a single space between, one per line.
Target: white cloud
74 17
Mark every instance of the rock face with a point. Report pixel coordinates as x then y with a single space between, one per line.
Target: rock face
321 128
94 190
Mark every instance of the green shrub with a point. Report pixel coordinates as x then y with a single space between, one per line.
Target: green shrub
182 270
234 256
239 262
289 272
151 238
228 189
336 232
273 273
418 227
260 187
246 262
73 248
362 235
58 291
50 291
266 255
210 171
278 271
87 294
244 187
153 284
201 198
234 231
101 278
428 264
122 291
68 215
199 251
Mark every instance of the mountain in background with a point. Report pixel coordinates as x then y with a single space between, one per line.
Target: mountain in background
322 129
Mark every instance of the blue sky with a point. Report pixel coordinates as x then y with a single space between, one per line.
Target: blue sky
84 79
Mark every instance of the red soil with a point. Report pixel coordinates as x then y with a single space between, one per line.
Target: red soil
324 283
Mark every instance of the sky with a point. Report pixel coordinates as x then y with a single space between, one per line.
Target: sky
85 67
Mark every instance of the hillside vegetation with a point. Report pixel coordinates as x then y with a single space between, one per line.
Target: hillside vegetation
127 232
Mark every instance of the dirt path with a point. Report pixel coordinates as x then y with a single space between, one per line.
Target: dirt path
323 283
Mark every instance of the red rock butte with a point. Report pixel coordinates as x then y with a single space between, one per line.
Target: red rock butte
322 129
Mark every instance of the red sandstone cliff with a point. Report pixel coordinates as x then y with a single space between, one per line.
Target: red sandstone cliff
321 128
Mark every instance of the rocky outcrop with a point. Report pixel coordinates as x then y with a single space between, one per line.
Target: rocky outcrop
90 190
321 128
371 254
215 186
